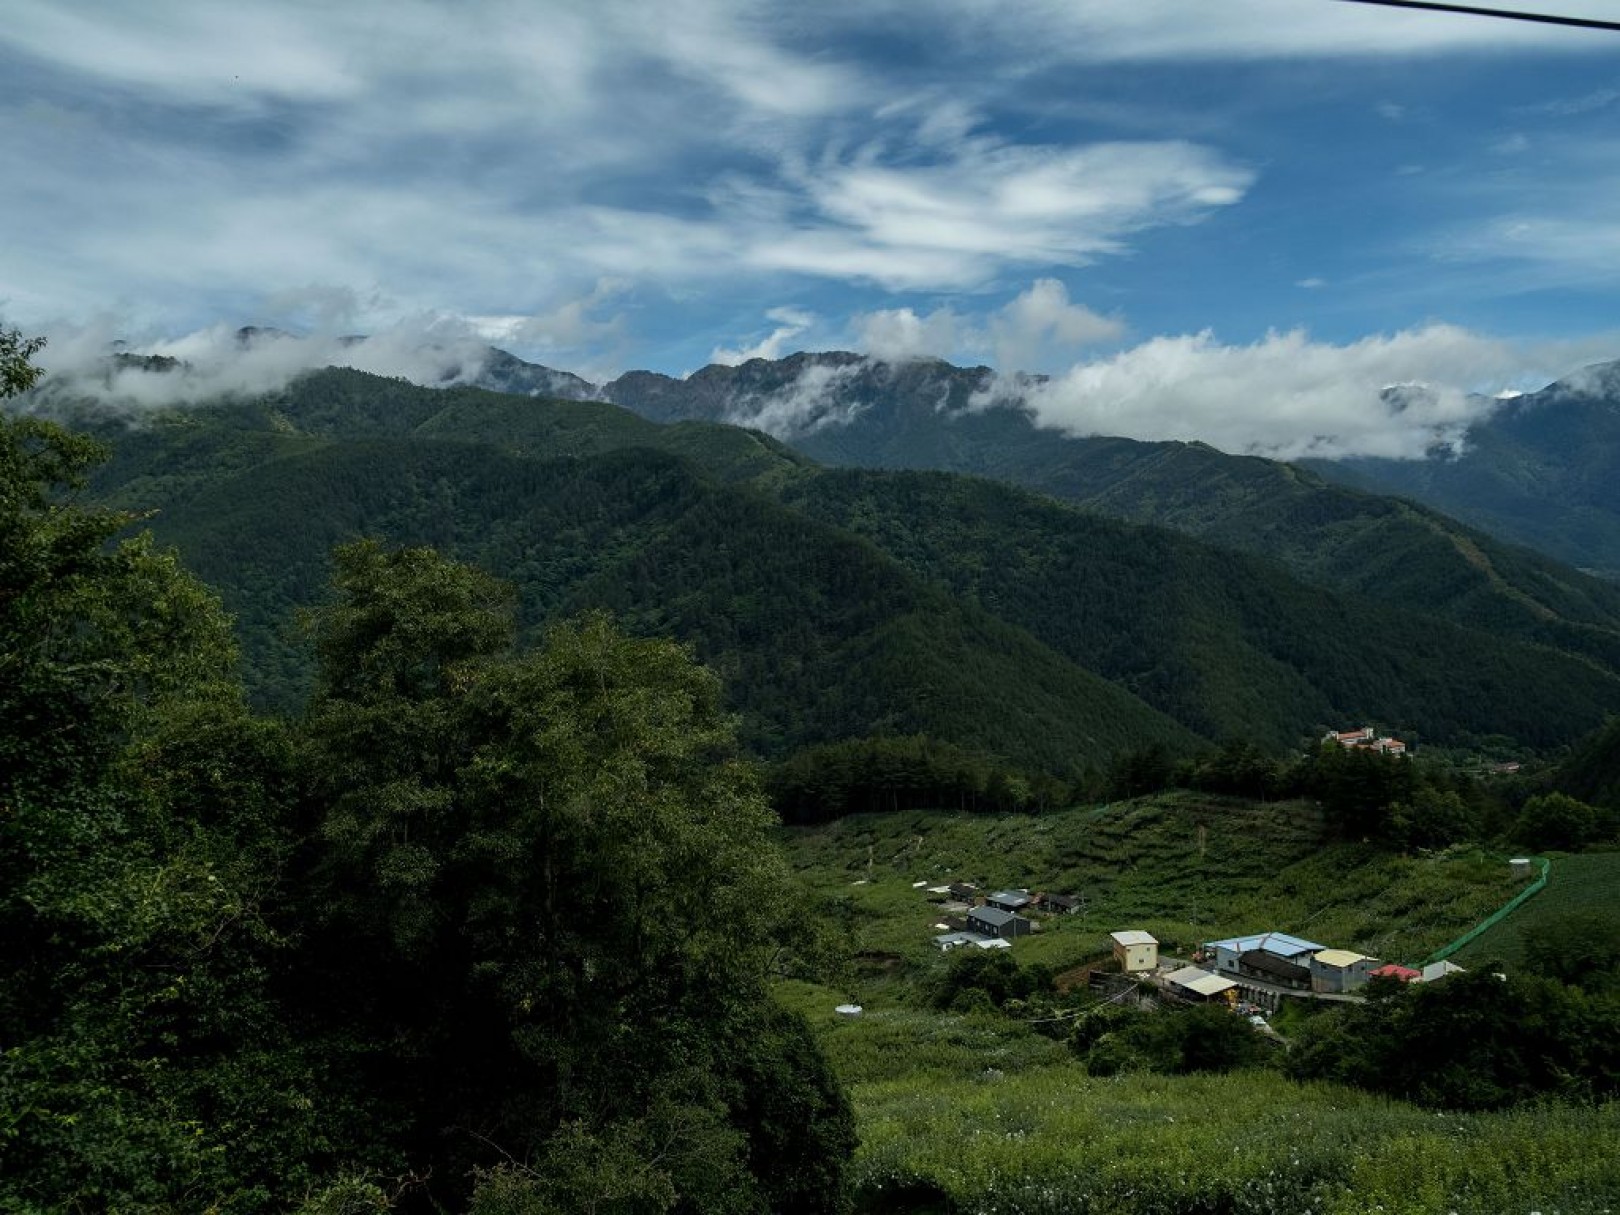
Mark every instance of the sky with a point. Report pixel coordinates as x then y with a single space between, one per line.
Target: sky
1240 221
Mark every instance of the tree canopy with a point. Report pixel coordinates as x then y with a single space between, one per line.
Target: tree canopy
486 929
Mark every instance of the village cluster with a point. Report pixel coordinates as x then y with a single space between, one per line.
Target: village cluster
1366 738
1254 972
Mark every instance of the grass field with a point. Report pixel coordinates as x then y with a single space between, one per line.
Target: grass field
981 1114
1583 882
978 1114
1185 867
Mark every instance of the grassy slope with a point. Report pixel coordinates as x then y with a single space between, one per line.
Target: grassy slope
981 1114
1145 864
1583 882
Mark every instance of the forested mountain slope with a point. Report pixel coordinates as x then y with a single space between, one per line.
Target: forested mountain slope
844 409
834 604
1221 641
817 635
1543 469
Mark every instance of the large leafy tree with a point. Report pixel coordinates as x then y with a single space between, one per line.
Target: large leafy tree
144 1066
546 880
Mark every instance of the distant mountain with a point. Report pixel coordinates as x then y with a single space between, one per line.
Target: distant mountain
844 409
1543 470
834 604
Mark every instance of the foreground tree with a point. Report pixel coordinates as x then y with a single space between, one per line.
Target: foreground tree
142 1057
548 877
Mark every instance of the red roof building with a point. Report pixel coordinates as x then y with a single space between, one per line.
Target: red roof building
1393 971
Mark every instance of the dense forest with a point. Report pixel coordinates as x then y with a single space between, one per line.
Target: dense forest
835 605
485 927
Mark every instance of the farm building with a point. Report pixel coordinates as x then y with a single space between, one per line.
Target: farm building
1439 970
994 922
1269 968
1195 983
1278 944
1393 971
1340 970
1136 950
1058 904
963 892
1010 900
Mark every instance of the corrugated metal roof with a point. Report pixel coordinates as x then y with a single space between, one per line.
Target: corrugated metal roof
1194 978
1341 957
1279 943
1133 936
991 915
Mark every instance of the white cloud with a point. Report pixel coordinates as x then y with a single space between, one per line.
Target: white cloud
220 361
956 221
1037 329
1162 30
1311 284
790 324
814 400
1568 107
1042 324
898 334
1286 396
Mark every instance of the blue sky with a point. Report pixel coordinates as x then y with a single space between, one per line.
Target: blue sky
1116 193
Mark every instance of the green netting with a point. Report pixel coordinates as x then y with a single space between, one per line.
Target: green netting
1496 917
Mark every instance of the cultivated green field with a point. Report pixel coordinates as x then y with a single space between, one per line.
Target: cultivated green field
982 1114
1583 882
1185 867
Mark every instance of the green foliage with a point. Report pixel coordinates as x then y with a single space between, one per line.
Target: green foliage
1578 948
995 976
1582 884
821 783
1228 643
1475 1041
17 373
548 883
1206 1038
1591 771
141 829
984 617
1053 1141
1556 820
478 906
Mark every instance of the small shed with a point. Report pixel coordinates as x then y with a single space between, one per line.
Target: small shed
963 892
1059 904
1520 866
1195 983
994 922
1439 970
1136 951
1010 900
948 941
1340 970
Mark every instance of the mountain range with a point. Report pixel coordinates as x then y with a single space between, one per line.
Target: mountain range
842 603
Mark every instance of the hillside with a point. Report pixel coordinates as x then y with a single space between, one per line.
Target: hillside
1187 867
846 410
835 604
1218 640
1539 470
818 635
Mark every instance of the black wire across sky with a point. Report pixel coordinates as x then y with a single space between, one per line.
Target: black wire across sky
1585 23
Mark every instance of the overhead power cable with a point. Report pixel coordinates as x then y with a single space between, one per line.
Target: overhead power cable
1585 23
